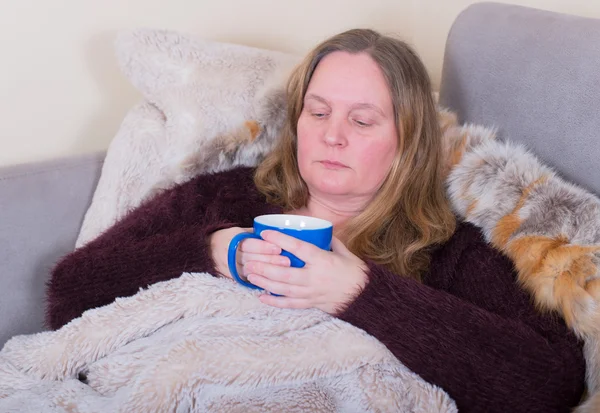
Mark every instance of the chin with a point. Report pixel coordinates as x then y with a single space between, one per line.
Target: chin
327 181
333 188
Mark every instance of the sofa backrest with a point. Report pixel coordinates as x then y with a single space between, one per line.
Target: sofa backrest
42 205
533 74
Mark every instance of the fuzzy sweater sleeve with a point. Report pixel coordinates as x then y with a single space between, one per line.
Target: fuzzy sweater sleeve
472 331
157 241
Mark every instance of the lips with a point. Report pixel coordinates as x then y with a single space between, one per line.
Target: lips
333 164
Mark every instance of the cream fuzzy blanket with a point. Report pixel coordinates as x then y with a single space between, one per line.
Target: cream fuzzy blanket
204 344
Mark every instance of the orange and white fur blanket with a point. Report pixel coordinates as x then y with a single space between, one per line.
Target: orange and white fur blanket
547 226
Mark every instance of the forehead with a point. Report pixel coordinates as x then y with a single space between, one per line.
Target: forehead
345 78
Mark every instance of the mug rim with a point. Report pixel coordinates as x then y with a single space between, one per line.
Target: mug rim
324 224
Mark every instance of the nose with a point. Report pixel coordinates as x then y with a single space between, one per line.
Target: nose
335 135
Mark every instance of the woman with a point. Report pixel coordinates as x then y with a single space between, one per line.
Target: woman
361 148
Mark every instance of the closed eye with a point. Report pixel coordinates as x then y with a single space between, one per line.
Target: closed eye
361 123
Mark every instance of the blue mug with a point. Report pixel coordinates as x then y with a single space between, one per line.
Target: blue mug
313 230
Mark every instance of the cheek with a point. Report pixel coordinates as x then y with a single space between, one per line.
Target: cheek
304 139
376 159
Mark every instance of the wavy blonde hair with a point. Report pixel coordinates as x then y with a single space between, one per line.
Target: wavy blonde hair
410 213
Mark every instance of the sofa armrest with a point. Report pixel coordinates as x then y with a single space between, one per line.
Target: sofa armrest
42 206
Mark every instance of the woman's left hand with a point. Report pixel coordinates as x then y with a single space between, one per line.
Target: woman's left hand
328 281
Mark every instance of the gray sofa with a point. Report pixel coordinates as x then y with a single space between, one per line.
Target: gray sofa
533 74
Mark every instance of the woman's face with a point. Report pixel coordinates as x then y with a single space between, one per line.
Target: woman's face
347 136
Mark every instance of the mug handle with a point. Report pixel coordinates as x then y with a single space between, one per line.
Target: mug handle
231 255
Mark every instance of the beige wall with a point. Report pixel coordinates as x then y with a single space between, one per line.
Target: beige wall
61 92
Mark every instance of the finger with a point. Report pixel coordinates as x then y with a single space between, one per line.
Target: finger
284 302
288 290
278 273
338 246
258 246
301 249
246 257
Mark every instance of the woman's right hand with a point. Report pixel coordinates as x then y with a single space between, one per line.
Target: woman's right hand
250 249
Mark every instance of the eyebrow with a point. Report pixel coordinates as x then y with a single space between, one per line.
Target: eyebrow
368 106
316 97
360 105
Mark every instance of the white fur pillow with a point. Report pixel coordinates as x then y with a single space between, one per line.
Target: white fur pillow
195 90
131 165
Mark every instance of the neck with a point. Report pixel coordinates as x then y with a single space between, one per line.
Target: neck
333 210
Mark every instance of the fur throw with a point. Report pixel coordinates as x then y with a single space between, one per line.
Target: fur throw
548 227
204 344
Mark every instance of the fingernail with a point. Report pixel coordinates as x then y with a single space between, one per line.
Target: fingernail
283 261
275 250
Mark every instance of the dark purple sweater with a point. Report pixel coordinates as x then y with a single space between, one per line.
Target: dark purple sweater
467 328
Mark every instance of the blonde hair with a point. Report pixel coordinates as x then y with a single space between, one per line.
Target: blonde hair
410 212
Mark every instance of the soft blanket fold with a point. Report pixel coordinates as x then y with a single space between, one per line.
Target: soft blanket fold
199 343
